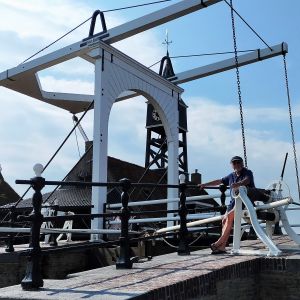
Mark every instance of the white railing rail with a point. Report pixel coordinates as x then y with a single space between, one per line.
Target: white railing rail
162 201
163 219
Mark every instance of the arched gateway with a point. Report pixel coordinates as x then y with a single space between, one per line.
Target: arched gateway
116 73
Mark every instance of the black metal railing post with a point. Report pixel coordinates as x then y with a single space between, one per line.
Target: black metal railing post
11 235
104 236
53 236
33 276
124 262
183 246
223 189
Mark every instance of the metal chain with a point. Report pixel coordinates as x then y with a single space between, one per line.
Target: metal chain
238 83
291 122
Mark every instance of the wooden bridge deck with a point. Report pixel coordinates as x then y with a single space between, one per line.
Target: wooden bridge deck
198 276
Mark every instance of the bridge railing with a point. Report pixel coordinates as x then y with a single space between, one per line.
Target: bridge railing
33 277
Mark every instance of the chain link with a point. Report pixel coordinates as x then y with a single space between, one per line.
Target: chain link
238 83
291 122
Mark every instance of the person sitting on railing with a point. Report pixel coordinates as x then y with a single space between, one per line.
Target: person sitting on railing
240 176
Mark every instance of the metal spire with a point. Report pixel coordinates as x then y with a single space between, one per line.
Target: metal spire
167 42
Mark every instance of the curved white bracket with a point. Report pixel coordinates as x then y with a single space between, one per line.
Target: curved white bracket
261 234
67 225
287 227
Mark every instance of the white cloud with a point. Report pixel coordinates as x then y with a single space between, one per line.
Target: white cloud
214 137
73 68
127 133
41 18
30 132
36 23
145 48
50 83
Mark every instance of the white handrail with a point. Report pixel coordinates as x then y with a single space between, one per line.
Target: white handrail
162 219
162 201
61 230
275 204
191 224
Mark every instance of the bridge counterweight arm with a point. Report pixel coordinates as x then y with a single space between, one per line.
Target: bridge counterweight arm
228 64
156 18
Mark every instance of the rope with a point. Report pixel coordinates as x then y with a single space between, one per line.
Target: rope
238 83
134 6
197 239
82 23
88 150
251 28
79 154
169 244
61 145
160 180
203 54
191 243
148 167
291 122
60 38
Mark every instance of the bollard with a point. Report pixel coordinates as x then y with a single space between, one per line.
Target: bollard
11 235
223 189
183 246
124 262
33 276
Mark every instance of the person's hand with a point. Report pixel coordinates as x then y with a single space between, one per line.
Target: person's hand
201 186
235 186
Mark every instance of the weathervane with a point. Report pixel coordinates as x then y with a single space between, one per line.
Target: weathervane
167 42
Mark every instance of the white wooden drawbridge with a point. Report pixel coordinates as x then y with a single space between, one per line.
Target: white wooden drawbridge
119 77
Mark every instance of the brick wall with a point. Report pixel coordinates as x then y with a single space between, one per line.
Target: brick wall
258 279
55 266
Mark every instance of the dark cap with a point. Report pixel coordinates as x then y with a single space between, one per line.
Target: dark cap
236 158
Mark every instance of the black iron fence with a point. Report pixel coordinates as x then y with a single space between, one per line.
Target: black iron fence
33 277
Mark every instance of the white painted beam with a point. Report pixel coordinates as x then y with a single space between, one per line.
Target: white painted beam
156 18
197 73
74 103
228 64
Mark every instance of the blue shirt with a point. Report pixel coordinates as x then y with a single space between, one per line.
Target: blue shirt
234 178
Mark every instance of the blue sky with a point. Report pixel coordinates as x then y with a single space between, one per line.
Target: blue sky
30 131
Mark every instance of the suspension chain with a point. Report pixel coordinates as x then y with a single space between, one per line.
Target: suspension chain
238 83
291 122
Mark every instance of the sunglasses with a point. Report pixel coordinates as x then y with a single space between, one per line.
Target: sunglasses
237 162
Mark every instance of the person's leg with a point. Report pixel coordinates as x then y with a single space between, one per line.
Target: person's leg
227 223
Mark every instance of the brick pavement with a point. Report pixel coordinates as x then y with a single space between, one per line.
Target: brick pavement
165 277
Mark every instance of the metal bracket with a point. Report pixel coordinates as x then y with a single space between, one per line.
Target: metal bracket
258 55
283 51
92 27
203 4
103 33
